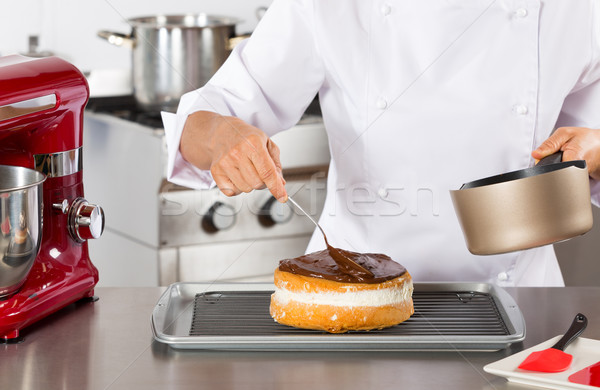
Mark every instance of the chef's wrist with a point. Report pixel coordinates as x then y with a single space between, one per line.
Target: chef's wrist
199 137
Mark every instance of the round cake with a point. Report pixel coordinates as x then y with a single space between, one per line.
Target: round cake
313 292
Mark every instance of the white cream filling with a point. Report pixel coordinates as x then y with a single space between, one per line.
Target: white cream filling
383 297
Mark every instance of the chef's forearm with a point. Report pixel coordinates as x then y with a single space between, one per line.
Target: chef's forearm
198 137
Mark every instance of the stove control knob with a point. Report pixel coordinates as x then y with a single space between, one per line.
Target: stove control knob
219 216
274 212
86 221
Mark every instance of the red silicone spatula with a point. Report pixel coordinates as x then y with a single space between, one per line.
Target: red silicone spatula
554 359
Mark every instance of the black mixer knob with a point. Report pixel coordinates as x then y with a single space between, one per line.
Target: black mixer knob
219 216
86 221
274 212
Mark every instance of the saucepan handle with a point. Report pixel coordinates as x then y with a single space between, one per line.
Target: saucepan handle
117 39
551 159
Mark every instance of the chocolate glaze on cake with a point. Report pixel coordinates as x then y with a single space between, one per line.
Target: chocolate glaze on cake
322 265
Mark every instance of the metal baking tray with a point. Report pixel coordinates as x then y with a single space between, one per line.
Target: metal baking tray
448 316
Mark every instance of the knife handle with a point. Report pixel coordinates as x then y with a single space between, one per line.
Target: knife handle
577 327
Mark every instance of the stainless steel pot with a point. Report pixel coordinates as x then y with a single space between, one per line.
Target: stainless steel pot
21 224
541 205
174 54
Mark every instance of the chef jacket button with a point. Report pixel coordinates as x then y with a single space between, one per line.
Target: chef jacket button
521 109
386 9
383 193
381 103
502 276
521 13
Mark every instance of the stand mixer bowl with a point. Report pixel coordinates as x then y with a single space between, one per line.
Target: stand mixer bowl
21 213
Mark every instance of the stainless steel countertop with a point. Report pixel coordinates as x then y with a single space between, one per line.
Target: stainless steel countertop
108 345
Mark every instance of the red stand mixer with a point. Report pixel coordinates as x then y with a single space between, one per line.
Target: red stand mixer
45 221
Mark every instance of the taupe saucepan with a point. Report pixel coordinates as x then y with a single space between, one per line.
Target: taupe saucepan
523 209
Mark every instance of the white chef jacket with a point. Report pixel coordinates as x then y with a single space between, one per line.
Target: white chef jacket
418 97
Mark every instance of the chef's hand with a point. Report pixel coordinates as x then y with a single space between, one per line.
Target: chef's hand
576 143
240 157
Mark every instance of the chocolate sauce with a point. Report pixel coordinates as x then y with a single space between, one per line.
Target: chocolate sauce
322 265
345 262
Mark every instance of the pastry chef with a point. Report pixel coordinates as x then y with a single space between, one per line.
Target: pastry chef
417 98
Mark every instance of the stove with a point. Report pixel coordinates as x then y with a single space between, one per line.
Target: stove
124 107
158 233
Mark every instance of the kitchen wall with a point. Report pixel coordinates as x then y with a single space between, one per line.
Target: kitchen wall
68 27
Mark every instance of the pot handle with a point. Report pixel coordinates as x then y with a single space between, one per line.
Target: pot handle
260 12
234 41
551 159
118 39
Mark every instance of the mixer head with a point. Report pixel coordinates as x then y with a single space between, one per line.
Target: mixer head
41 107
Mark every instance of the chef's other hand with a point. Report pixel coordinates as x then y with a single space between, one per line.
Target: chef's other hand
240 156
576 143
